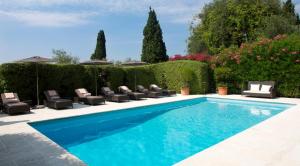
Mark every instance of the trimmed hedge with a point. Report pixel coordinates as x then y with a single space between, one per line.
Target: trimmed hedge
168 75
276 59
21 77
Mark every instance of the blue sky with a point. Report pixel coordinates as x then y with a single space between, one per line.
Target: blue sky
35 27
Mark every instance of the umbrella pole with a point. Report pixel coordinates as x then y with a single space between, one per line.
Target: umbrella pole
134 80
37 85
96 88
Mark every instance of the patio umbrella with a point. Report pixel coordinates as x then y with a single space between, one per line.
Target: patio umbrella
96 62
134 63
36 60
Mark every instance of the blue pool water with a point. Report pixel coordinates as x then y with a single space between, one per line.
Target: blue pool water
161 134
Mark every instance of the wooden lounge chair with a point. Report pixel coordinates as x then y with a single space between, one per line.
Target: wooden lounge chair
11 104
111 96
260 89
86 97
165 92
151 94
53 100
132 95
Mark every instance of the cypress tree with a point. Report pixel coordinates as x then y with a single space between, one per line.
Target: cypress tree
100 51
154 49
289 7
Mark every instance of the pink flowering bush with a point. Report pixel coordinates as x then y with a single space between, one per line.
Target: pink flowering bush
194 57
276 59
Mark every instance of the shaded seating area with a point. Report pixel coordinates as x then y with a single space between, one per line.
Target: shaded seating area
85 97
165 92
264 89
11 104
150 94
132 95
53 100
111 96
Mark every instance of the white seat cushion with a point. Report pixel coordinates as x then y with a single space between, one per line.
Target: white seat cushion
260 92
124 87
265 88
254 87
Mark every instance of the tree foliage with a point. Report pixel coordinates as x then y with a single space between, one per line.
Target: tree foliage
224 23
100 51
62 57
154 49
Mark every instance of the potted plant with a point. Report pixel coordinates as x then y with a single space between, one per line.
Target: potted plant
186 78
222 77
222 89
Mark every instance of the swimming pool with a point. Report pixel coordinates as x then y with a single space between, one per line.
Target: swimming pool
162 134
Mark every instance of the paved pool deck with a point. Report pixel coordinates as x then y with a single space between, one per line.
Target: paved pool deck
275 141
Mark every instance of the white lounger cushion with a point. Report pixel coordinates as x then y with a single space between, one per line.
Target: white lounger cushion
83 91
265 88
254 87
260 92
9 95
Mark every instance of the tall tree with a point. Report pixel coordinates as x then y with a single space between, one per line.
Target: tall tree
62 57
100 51
298 19
225 23
154 49
289 7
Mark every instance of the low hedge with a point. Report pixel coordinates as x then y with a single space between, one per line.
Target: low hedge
276 59
21 77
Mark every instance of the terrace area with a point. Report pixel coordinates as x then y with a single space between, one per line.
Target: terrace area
272 142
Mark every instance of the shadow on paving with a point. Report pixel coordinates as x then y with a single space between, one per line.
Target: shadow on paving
12 122
33 150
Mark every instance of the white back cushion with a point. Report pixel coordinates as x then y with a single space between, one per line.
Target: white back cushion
9 95
82 91
254 87
265 88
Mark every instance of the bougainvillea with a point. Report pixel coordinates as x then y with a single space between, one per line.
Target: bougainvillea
276 59
194 57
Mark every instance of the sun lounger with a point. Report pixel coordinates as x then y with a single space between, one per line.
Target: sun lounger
11 104
151 94
53 100
86 97
260 89
132 95
111 96
165 92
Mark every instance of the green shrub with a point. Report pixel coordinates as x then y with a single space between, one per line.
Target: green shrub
276 59
186 77
223 76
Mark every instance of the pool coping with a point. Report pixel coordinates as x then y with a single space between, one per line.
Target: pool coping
61 156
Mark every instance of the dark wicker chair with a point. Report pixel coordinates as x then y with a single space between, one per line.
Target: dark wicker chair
85 97
111 96
53 100
266 94
165 92
150 94
11 104
132 95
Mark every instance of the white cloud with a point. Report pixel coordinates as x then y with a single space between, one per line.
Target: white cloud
175 11
47 19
